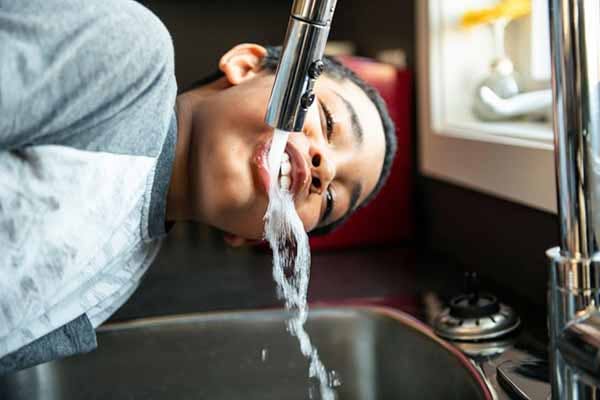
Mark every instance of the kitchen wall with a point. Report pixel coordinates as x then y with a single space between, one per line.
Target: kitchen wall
504 242
203 30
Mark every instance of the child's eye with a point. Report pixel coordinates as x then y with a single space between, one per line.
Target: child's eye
329 121
329 126
329 199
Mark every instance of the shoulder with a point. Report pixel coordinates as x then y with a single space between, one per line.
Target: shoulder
146 29
100 26
103 63
130 31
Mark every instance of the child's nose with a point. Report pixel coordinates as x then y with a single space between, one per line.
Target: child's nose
322 171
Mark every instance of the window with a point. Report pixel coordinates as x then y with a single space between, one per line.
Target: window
512 160
540 41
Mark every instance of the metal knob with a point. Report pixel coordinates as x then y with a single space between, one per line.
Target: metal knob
316 69
307 99
474 316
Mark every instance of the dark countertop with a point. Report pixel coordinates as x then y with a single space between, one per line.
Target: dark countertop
196 272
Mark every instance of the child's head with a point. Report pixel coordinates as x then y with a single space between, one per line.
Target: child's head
339 161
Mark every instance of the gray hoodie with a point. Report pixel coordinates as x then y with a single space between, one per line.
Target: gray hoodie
87 139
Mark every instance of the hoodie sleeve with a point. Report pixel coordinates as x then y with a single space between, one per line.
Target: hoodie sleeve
77 73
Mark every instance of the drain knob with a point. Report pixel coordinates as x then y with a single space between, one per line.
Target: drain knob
475 316
473 304
466 306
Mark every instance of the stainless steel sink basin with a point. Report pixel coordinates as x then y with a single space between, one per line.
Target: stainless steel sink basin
377 353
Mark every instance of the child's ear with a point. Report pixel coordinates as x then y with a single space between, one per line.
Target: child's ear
238 241
242 62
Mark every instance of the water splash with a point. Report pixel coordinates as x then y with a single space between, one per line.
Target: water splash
291 263
276 152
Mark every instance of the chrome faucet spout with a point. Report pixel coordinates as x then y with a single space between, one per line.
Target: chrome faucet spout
574 286
300 64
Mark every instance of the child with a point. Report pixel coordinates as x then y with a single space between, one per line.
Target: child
99 156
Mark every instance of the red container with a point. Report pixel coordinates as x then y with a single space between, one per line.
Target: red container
388 218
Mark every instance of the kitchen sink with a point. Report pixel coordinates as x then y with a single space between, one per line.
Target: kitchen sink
376 353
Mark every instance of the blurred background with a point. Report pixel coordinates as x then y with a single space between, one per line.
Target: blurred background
466 194
203 30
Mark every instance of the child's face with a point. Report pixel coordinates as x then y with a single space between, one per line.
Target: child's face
341 158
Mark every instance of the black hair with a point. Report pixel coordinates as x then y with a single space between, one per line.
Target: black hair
337 71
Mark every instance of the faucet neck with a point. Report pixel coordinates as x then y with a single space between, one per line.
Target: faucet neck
575 42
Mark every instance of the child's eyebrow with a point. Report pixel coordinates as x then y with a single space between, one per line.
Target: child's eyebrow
357 129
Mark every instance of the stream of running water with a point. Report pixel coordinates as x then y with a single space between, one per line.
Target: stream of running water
291 265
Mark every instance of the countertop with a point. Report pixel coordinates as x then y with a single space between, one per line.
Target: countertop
196 272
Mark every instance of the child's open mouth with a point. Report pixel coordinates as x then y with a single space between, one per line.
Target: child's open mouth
293 170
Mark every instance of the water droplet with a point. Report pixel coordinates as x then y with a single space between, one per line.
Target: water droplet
334 379
263 355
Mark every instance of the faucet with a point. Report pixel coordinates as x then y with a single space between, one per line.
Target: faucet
300 64
574 278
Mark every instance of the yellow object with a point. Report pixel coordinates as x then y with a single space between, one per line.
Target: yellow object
505 9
